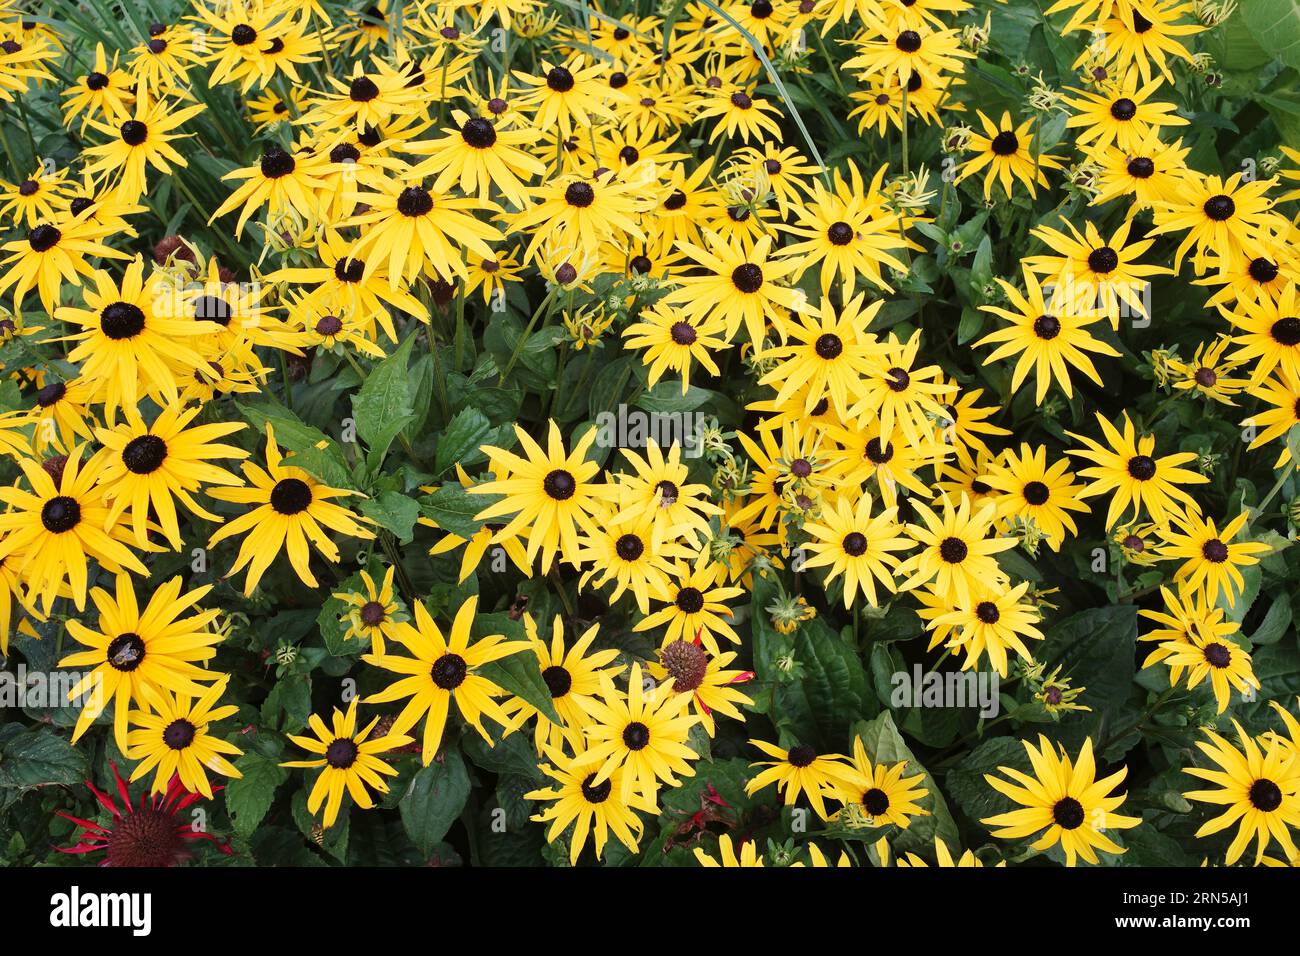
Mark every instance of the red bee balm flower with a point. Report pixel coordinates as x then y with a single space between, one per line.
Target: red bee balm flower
151 834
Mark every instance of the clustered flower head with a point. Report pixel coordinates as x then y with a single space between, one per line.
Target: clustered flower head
421 266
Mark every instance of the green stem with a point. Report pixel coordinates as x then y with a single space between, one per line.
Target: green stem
523 339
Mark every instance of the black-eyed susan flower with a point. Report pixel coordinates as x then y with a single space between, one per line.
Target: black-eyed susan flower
280 180
1150 171
147 468
412 230
736 113
125 349
580 212
549 494
1031 490
1004 152
627 557
993 620
1122 112
641 732
373 613
1196 637
1258 788
1208 372
54 529
899 50
345 279
573 678
292 510
956 552
348 760
595 808
102 93
792 470
1126 467
850 541
742 285
1065 800
40 197
695 605
1268 334
671 341
238 36
171 736
565 95
1087 271
828 354
440 670
879 793
800 770
160 646
1211 559
891 465
965 422
905 397
658 494
51 254
144 139
478 155
1281 394
1222 216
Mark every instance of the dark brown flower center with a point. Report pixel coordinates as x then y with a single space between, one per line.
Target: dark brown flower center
414 201
558 680
1005 143
342 753
1220 208
125 652
1068 813
1036 493
801 755
636 736
121 320
144 455
61 513
953 550
449 671
1142 467
690 600
1265 795
559 484
179 734
291 496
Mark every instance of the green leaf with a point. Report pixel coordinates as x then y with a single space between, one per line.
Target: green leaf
1275 25
453 508
435 800
1275 623
313 451
249 797
394 511
384 404
1096 649
834 681
966 783
519 674
885 745
460 440
37 757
